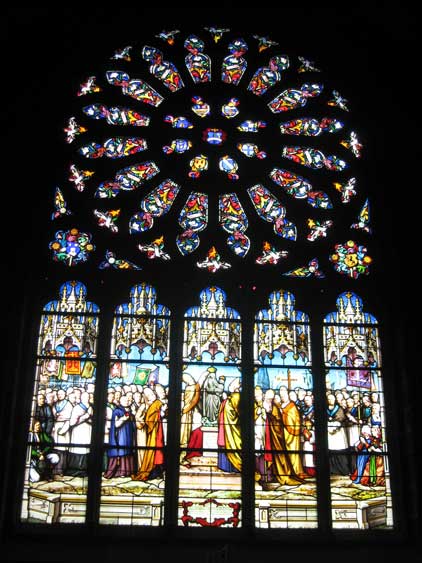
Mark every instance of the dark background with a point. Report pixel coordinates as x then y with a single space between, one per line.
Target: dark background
370 48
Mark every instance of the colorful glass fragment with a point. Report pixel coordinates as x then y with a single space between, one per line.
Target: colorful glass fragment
135 88
198 165
107 219
250 126
217 32
233 219
251 150
71 247
300 188
293 98
178 146
351 259
229 110
270 255
116 115
128 178
312 269
155 249
78 177
115 147
117 263
213 261
214 136
193 218
318 229
310 127
267 76
168 36
197 63
234 65
338 101
122 54
228 165
161 69
156 204
60 205
307 66
73 129
89 87
313 158
264 42
179 122
353 144
346 190
201 108
271 210
363 222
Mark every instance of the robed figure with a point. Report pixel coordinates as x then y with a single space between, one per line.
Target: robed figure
121 461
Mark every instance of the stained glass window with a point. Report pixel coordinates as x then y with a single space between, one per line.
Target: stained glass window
216 173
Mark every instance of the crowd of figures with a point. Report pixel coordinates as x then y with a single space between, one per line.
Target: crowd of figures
136 428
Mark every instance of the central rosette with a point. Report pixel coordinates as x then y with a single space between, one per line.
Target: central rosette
214 136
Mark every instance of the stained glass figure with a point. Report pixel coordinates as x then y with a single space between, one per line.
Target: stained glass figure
310 127
155 249
351 259
338 101
217 32
115 147
122 54
233 219
198 165
264 43
293 98
214 136
111 261
128 179
193 218
318 229
229 110
313 158
307 66
311 270
89 87
210 390
168 36
267 76
251 150
161 69
363 222
62 408
346 190
284 416
228 165
116 115
353 144
356 432
73 129
71 247
300 188
178 146
156 204
60 205
250 126
234 65
197 62
213 261
107 219
135 88
135 434
78 177
179 122
270 255
271 210
201 108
